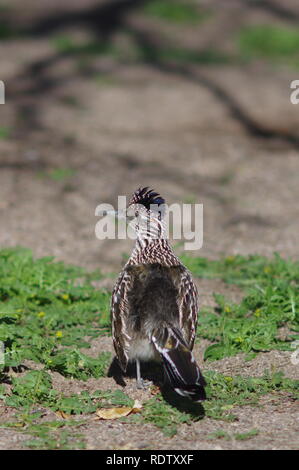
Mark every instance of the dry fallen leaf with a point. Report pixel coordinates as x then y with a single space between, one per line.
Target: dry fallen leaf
19 425
137 406
154 390
118 412
62 414
113 413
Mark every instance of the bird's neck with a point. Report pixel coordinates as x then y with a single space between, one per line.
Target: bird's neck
152 251
152 245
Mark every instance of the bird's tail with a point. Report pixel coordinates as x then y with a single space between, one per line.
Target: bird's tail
179 363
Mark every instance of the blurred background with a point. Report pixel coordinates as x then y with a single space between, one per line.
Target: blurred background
189 97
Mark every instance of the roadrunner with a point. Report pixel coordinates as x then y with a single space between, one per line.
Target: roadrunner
154 302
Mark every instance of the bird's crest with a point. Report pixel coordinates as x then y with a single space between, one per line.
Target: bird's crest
146 197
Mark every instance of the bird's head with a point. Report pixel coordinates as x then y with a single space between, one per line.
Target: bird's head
146 199
147 208
144 213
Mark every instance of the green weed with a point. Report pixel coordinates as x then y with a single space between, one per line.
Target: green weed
60 174
4 132
271 301
35 388
246 435
165 416
270 42
220 434
47 310
70 46
224 393
175 11
50 435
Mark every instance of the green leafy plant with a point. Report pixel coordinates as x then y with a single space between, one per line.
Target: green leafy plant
224 393
270 42
166 417
4 132
60 174
246 435
175 11
47 310
271 301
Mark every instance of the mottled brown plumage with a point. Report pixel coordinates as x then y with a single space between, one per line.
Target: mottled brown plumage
154 302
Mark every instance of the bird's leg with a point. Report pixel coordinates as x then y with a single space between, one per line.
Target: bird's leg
141 384
139 379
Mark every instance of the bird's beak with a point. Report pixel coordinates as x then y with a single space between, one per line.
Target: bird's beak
116 214
124 214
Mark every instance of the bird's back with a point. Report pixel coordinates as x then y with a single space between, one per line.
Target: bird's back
153 322
153 297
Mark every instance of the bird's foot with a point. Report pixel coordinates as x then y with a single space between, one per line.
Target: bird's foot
143 384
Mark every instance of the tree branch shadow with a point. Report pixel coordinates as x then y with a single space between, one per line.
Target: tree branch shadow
275 9
250 125
104 21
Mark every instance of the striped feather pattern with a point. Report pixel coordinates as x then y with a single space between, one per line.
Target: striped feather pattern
155 302
179 363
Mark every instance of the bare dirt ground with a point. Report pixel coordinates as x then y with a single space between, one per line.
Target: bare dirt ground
226 136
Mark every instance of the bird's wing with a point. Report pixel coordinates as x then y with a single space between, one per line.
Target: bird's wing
179 363
119 314
188 306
